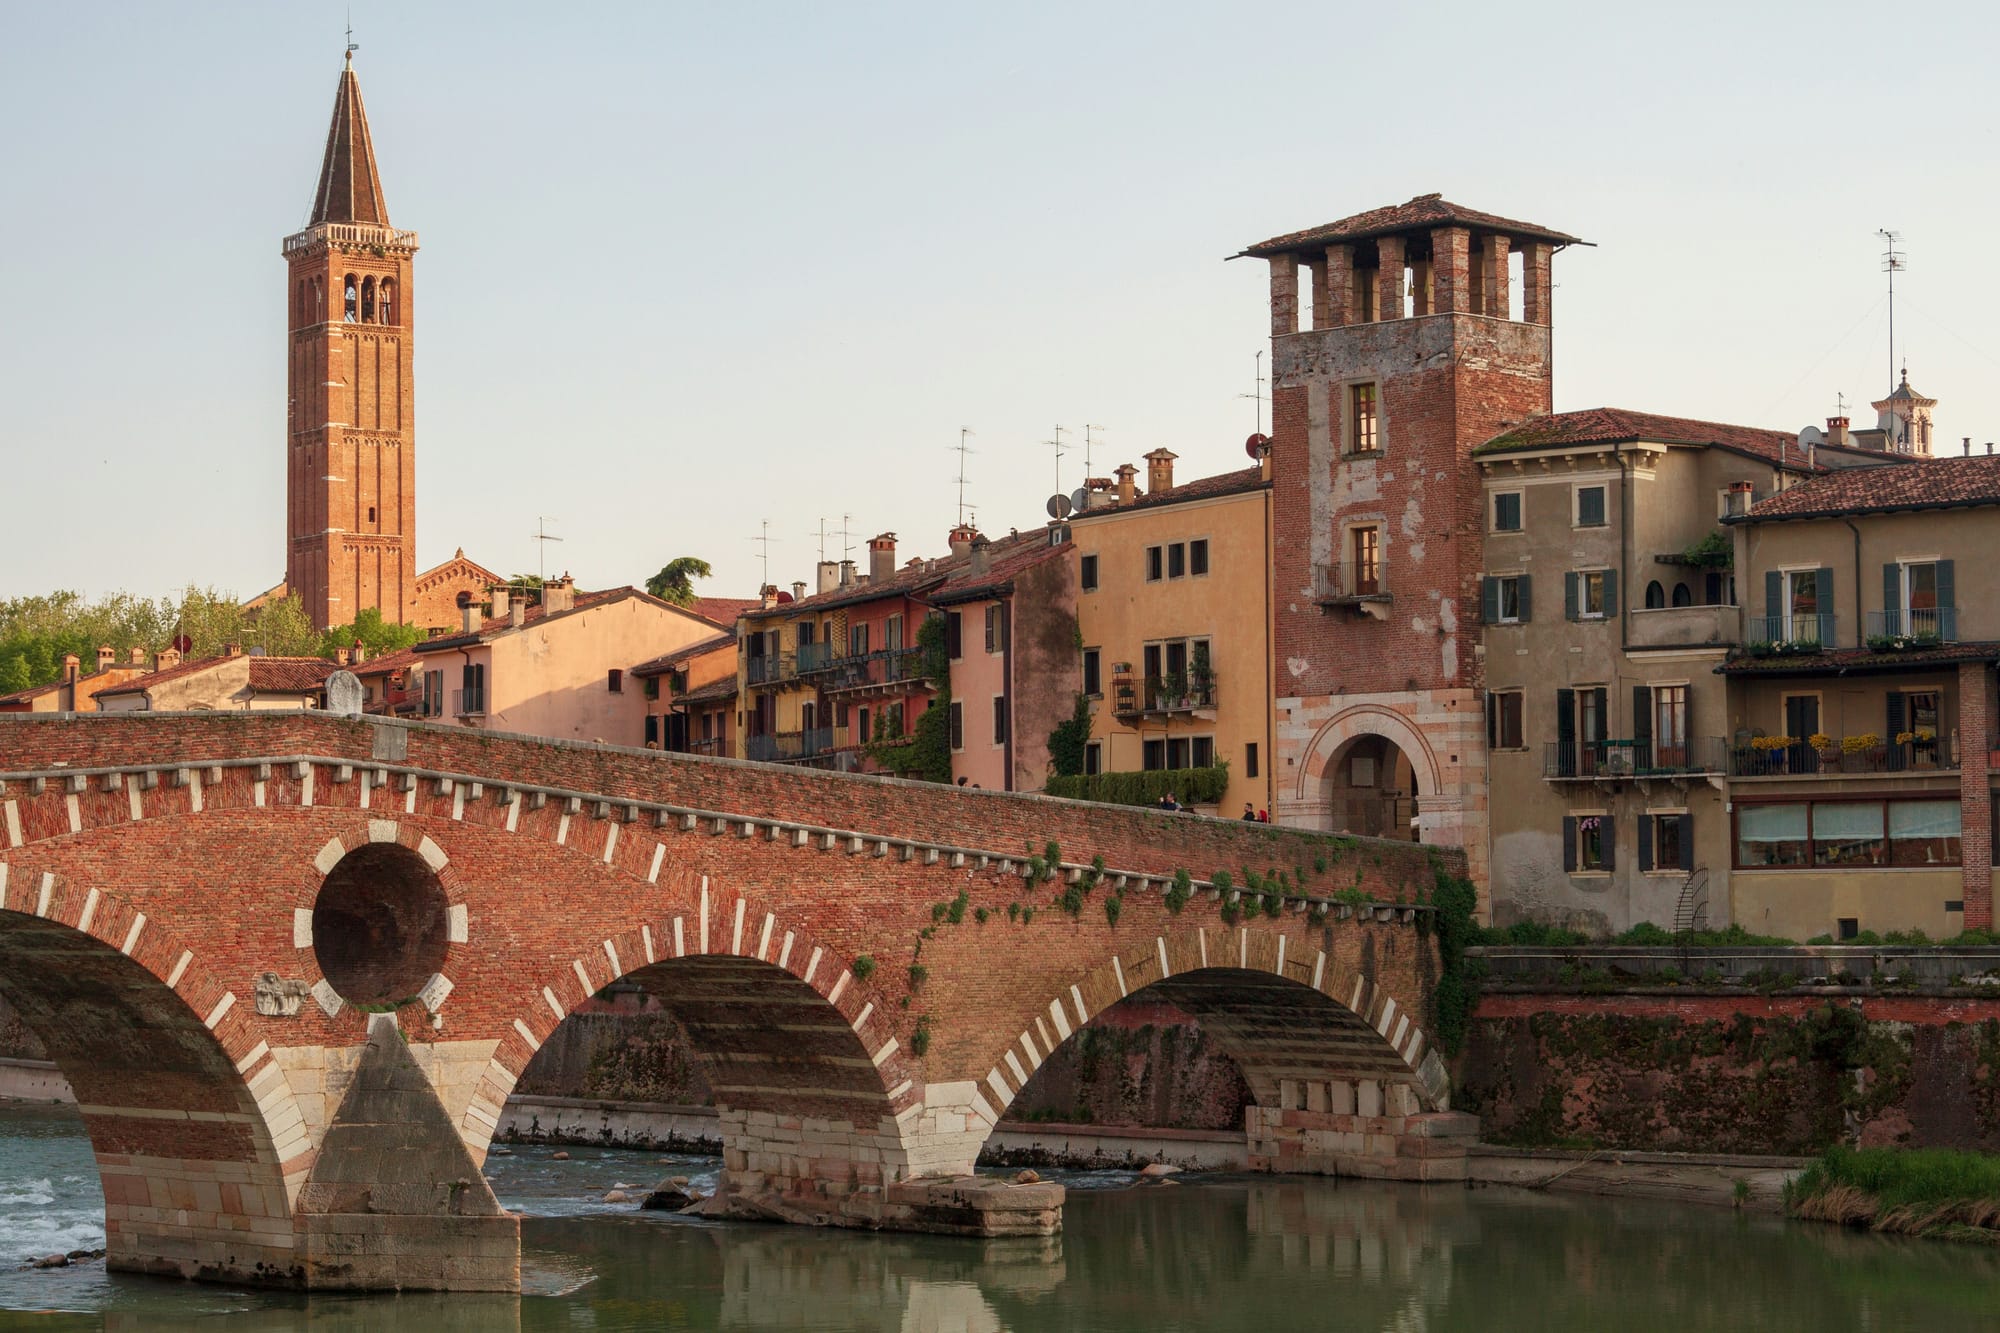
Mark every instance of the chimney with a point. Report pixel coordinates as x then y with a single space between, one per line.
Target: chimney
106 655
847 573
71 663
468 617
1160 471
1739 497
798 590
769 595
882 557
340 657
166 658
961 538
829 576
137 657
1968 446
1126 492
500 599
232 650
559 595
982 560
517 613
1836 431
357 654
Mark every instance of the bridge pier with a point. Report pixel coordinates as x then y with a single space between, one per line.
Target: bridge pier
1358 1127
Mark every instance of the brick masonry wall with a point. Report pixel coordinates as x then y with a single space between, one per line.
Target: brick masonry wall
1783 1074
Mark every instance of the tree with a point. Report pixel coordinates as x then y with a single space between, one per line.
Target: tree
373 633
675 581
14 673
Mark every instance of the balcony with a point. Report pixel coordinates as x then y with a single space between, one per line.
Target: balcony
1785 757
1629 760
468 703
886 670
814 657
790 747
1685 626
1917 627
1166 696
1360 590
1790 635
770 668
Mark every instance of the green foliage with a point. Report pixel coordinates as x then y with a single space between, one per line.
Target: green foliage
863 967
368 629
1069 741
1013 911
979 915
1027 915
675 581
37 632
1196 786
1531 934
920 1035
1903 1177
1113 905
938 911
1455 900
918 974
1223 882
926 754
1181 890
1231 913
1715 551
1319 863
955 910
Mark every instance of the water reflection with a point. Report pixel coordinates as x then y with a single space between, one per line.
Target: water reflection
1249 1253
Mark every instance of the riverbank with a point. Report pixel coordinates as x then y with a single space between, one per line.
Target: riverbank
1934 1193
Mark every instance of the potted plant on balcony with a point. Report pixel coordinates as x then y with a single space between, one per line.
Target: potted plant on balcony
1826 748
1771 752
1173 689
1202 677
1920 744
1863 753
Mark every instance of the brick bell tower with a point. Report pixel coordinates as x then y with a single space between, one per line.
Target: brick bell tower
350 432
1414 354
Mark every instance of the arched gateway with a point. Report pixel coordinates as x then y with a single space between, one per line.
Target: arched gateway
293 965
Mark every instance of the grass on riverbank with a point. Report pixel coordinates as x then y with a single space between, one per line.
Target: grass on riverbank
1936 1192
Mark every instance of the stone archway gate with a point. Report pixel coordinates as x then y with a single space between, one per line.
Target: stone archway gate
871 968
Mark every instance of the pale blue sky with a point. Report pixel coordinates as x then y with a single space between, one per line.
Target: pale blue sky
688 268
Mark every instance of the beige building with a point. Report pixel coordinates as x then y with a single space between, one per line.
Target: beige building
74 691
236 680
1173 598
1861 706
1608 602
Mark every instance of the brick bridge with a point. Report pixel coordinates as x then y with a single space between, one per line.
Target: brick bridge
292 965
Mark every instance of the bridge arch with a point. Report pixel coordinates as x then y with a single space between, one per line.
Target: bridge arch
199 1146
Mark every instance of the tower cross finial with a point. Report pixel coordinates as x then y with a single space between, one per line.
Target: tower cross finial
352 45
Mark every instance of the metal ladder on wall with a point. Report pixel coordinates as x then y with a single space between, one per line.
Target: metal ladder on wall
1691 912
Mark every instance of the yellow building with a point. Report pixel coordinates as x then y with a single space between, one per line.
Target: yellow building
1173 591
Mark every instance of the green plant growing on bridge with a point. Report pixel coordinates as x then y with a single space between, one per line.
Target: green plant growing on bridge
979 915
918 975
1181 890
863 967
1013 911
1113 905
954 911
1027 914
1454 901
920 1035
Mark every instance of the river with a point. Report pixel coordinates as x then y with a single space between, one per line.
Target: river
1206 1255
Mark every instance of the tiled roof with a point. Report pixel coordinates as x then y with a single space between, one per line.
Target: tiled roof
1917 483
349 188
1201 488
713 692
1006 559
1611 425
723 610
667 661
911 580
1420 214
36 691
1848 661
387 663
290 675
494 626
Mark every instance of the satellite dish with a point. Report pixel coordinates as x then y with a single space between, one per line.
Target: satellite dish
1079 499
183 644
1256 445
1812 437
1058 506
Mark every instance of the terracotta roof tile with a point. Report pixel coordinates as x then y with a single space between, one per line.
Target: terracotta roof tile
290 675
1916 484
1844 661
1419 214
494 626
701 647
1201 488
1005 560
713 692
724 610
1611 425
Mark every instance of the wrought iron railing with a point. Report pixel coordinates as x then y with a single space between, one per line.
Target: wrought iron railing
1806 632
1915 626
1760 758
1169 694
1638 757
468 703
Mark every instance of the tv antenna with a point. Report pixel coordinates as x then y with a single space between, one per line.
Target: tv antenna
962 449
1893 262
1257 390
822 540
542 540
1057 445
764 540
846 537
1087 442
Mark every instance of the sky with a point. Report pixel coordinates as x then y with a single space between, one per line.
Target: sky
690 270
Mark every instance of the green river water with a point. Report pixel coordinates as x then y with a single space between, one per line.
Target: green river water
1211 1253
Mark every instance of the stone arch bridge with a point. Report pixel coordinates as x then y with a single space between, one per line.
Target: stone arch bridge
292 965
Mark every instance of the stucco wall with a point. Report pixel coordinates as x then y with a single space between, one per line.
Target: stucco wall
551 678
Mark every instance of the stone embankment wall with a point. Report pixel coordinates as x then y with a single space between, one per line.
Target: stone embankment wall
1724 1070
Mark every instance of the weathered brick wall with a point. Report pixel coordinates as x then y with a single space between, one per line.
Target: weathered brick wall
1142 1062
1783 1074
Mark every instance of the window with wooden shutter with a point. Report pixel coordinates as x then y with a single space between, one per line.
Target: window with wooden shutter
1569 843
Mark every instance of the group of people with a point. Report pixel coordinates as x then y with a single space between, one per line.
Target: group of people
1250 812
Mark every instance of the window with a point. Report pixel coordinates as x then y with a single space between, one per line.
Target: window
1250 760
1363 425
993 628
892 632
1656 595
1093 677
999 719
1155 755
1683 595
1176 560
1666 841
1198 556
1507 511
1156 568
1201 751
1799 607
1917 599
1087 573
614 681
1365 547
1663 718
861 722
857 640
1503 720
1093 758
808 717
433 694
952 637
371 513
1504 599
957 725
1848 834
1590 506
1590 594
1588 844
